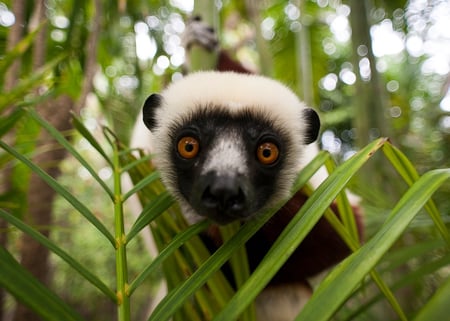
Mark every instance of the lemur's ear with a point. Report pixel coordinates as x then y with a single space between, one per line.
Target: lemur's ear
149 109
313 125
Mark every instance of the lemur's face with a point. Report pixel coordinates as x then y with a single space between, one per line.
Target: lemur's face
226 160
227 166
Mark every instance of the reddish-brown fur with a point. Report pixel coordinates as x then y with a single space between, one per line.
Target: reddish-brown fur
225 63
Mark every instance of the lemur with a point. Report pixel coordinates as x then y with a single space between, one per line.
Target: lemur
228 146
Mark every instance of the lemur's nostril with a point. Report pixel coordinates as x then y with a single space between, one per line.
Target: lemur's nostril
223 198
224 193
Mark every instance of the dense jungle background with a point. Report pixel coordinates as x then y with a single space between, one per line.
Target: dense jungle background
372 69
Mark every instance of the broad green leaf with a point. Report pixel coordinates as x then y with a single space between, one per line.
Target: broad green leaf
340 283
184 262
176 297
129 166
26 289
152 210
296 231
79 206
178 240
140 185
406 169
68 146
79 126
194 254
309 170
345 210
410 279
353 243
239 265
401 164
88 275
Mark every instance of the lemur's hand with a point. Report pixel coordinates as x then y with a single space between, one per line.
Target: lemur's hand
198 32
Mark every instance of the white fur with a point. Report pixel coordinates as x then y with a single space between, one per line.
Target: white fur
234 91
282 303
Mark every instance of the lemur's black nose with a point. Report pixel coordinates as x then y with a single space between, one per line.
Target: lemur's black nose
224 193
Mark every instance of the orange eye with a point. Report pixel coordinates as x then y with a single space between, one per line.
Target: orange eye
267 153
188 147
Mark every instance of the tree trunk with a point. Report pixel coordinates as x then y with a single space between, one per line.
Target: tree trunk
11 78
254 9
34 256
304 58
371 98
14 36
90 65
370 103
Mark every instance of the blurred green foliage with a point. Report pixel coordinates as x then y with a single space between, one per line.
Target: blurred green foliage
139 51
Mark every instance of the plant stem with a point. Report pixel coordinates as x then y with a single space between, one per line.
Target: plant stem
123 298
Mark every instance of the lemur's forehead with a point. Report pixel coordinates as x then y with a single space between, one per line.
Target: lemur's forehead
232 91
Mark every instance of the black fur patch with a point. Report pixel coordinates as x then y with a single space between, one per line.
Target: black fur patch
206 125
148 111
313 122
